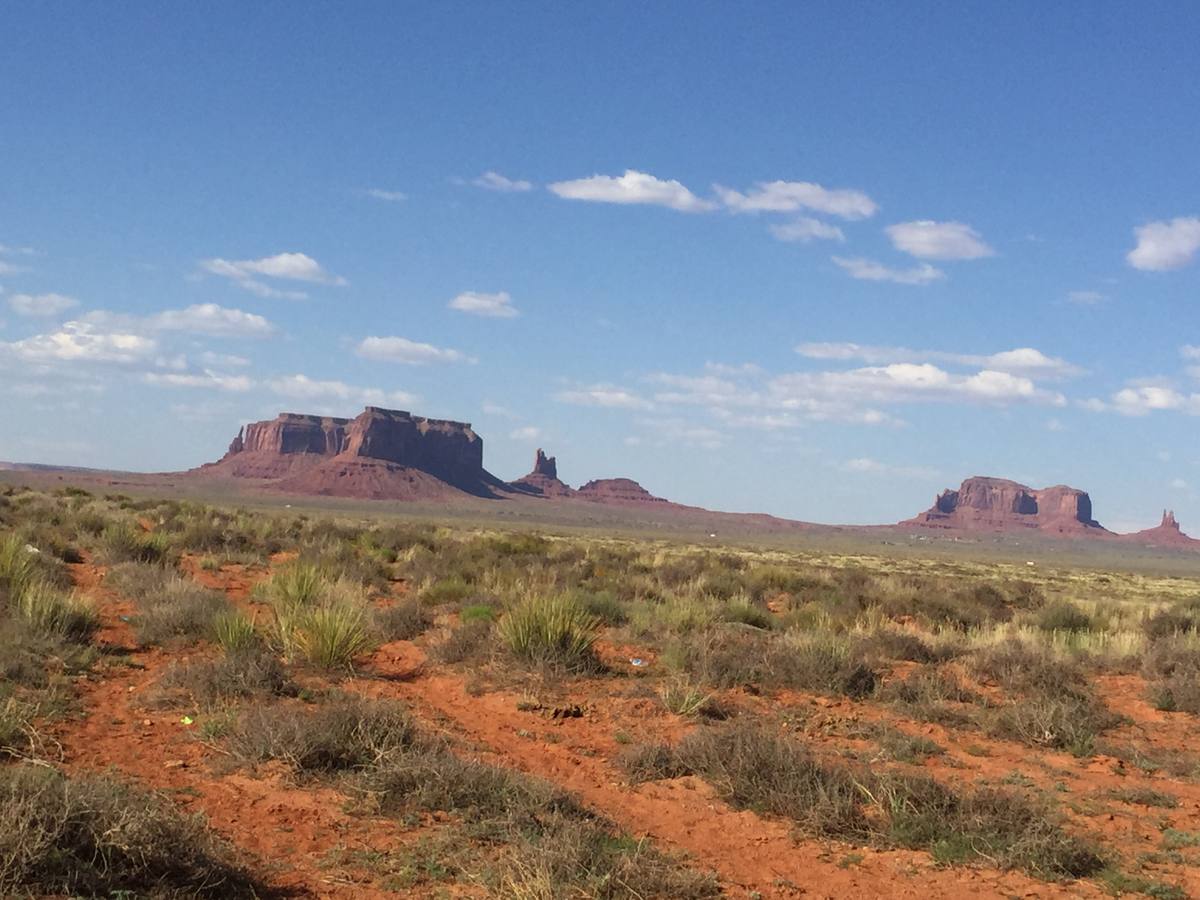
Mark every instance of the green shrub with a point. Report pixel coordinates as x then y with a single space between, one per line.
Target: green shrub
446 591
18 566
124 543
554 631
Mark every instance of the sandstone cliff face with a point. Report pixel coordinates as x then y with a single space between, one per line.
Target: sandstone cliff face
360 456
996 504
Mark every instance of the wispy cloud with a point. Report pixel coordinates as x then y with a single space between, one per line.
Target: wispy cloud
792 196
632 188
603 395
527 433
302 387
386 196
869 270
82 342
206 379
247 273
494 181
41 305
201 319
865 465
403 350
1086 298
496 306
804 230
1022 360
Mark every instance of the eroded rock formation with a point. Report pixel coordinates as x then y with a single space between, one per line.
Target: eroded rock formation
543 480
997 504
381 453
1166 533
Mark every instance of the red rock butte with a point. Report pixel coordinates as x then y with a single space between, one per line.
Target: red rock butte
380 454
996 504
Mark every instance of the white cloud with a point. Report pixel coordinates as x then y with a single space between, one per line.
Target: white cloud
212 320
223 359
1020 361
926 239
791 196
804 230
495 409
282 266
206 379
528 433
41 304
1085 298
8 250
632 187
869 270
1178 484
496 306
1190 351
387 196
402 350
7 268
604 395
1142 399
206 319
1165 245
494 181
83 342
301 387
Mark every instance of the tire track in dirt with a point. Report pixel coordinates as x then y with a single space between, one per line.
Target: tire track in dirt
751 854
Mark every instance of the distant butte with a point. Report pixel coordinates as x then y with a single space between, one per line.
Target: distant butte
387 454
996 504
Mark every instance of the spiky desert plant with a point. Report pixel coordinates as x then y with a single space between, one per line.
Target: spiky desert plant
234 633
18 565
683 698
331 636
50 611
552 630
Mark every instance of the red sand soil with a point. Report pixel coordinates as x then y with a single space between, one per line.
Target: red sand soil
291 831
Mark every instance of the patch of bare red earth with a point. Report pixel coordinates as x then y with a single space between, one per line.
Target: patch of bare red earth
288 832
750 853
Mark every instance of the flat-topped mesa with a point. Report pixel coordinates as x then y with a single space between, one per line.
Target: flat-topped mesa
449 450
543 480
617 490
998 504
296 450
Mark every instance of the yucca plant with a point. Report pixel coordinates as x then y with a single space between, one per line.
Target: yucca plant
234 633
50 611
298 584
329 637
683 698
18 565
552 630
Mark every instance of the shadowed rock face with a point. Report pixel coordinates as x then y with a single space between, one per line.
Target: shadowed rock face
996 504
545 465
358 457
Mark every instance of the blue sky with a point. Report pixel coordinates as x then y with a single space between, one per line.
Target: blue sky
819 262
